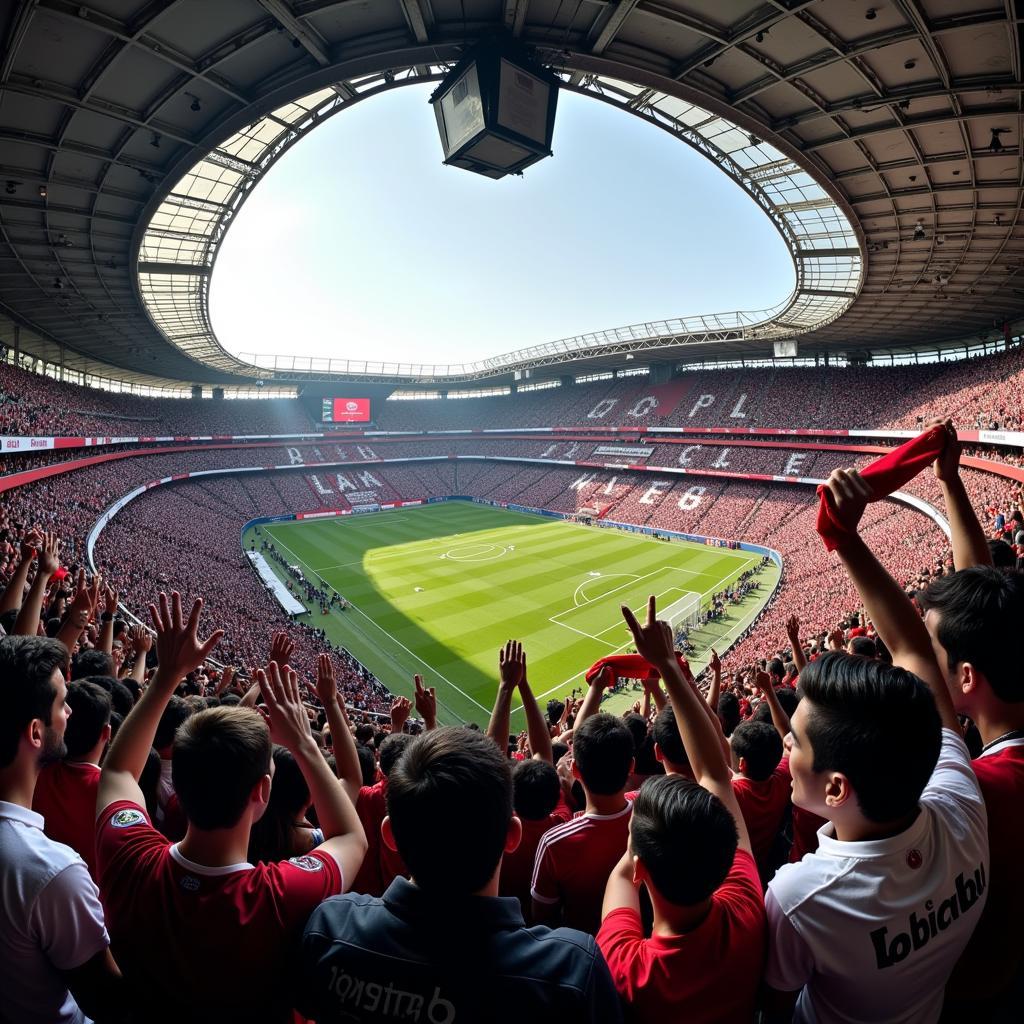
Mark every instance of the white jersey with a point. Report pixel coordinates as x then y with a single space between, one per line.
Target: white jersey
871 931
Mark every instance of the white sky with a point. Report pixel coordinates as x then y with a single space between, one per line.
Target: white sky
361 244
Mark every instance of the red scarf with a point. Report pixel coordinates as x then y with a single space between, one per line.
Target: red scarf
884 475
628 666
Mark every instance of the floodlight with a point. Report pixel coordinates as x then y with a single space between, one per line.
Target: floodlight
496 110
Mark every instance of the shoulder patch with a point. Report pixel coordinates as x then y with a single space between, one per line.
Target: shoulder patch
307 863
126 817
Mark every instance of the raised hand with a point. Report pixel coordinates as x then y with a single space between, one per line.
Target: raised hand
714 662
837 639
512 664
426 701
400 708
947 466
178 646
653 640
849 495
793 630
110 598
142 640
49 554
326 684
285 713
281 648
31 542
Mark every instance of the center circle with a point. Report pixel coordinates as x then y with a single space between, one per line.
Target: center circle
476 552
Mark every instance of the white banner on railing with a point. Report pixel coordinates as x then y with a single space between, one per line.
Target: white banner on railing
284 596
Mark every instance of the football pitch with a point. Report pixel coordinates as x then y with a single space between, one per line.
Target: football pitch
437 589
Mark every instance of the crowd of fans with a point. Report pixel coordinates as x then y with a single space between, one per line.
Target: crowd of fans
828 830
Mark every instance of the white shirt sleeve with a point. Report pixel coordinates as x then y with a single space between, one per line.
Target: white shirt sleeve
67 918
790 962
953 791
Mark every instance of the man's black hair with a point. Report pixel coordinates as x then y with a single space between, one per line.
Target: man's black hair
90 715
761 745
176 712
980 615
558 750
685 838
121 699
637 726
555 707
863 647
449 801
391 750
367 764
602 748
776 669
26 687
728 712
875 723
666 735
92 662
1003 555
535 789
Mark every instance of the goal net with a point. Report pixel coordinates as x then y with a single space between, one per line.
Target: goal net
683 614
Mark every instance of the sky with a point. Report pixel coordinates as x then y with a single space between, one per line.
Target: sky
360 244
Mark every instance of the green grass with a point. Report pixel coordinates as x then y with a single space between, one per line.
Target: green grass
487 575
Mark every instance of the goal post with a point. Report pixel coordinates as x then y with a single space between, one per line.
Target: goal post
683 613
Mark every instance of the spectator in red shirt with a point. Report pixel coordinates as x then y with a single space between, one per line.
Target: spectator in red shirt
690 850
762 785
173 909
66 790
574 860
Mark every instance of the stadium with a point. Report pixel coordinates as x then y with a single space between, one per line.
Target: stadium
401 521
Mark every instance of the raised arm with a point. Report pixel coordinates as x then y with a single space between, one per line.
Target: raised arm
510 674
346 757
700 740
15 591
289 725
180 651
896 620
970 546
779 717
79 613
27 622
793 633
715 689
426 703
106 641
537 733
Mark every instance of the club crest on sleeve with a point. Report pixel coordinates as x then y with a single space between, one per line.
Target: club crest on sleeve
126 817
307 863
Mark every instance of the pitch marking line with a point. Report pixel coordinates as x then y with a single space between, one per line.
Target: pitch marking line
393 639
602 576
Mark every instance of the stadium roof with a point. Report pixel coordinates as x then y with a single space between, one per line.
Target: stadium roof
883 139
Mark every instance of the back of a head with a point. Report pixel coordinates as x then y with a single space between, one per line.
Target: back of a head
27 664
391 750
760 745
863 647
535 789
367 764
684 836
980 610
271 837
637 727
776 668
449 801
92 663
219 756
666 735
555 707
177 711
728 712
90 715
602 748
121 699
875 723
1003 555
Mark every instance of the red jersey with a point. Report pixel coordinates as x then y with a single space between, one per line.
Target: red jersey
764 806
709 974
573 863
198 943
381 865
995 952
805 833
65 796
517 866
